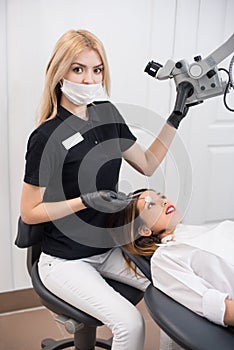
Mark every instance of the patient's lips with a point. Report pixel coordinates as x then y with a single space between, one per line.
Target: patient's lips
170 209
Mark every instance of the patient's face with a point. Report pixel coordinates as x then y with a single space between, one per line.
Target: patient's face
160 214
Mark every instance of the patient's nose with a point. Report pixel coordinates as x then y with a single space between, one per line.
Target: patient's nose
163 202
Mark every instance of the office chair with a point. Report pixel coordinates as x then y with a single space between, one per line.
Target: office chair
189 330
77 322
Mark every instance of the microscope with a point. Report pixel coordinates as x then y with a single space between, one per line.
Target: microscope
197 81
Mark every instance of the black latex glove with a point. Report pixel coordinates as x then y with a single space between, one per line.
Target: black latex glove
105 201
176 117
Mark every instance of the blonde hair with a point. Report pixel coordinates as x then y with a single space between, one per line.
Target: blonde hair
69 45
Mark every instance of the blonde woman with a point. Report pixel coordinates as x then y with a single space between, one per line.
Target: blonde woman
192 264
70 185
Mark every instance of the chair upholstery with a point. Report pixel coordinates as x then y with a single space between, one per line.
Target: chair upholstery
82 325
189 330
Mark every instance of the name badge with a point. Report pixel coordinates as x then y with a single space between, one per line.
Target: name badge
72 140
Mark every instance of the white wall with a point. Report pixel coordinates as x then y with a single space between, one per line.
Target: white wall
133 32
6 275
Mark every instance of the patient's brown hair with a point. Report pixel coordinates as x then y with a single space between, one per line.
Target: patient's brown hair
126 224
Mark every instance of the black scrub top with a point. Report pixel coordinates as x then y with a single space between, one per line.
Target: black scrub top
69 156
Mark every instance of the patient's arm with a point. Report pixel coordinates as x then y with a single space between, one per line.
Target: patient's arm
229 312
173 273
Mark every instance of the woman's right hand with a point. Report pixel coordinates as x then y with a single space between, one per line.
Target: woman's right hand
105 200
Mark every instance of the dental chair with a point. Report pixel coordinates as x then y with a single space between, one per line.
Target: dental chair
76 322
189 330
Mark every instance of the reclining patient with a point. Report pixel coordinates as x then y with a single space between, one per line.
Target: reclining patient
192 264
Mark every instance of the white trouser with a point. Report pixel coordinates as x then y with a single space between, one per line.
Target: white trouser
167 343
80 283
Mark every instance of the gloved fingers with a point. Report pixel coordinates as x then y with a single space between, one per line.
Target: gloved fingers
111 195
108 195
122 196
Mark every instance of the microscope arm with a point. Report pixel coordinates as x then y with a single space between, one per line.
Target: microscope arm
198 69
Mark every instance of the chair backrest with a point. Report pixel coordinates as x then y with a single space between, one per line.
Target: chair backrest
142 262
30 237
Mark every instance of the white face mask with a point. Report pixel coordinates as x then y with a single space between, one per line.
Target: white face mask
81 94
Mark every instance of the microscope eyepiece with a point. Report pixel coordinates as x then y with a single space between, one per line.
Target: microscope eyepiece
152 68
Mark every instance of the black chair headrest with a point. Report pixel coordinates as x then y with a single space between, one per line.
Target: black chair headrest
142 262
